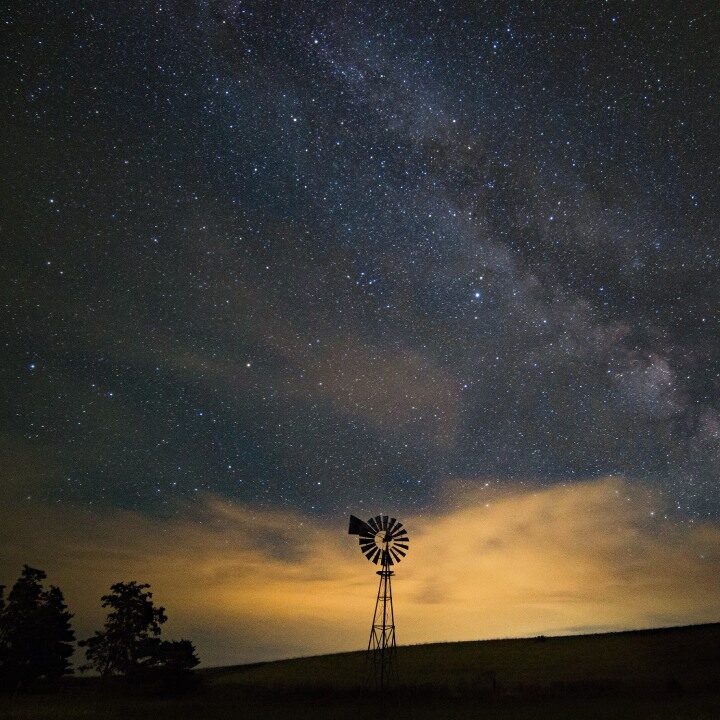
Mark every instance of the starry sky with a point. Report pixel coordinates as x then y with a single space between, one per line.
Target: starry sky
329 257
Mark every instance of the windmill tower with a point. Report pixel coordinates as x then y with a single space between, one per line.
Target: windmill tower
383 541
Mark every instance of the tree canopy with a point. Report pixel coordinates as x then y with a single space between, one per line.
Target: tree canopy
129 643
129 639
36 638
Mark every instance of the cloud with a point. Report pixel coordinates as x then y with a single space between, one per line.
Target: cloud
249 585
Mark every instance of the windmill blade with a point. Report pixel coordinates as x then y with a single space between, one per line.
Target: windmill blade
365 546
392 525
370 552
378 521
376 555
385 522
397 550
397 555
372 523
402 545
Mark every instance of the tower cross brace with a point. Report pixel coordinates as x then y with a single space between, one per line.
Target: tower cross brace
382 660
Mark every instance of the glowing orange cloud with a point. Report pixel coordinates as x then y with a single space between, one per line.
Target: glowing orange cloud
248 585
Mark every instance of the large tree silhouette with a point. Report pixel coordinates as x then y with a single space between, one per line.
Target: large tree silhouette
129 641
129 644
35 633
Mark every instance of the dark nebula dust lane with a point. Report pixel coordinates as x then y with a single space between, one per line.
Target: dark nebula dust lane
322 257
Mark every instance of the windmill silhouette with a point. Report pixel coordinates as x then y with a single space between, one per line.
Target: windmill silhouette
383 541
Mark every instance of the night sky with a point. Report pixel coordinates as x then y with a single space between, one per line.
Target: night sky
329 257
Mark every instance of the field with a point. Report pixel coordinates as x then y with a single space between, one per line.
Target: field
658 674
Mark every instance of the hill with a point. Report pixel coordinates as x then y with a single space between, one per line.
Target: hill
684 656
666 673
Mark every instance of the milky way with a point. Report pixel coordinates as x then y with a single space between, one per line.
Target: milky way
331 256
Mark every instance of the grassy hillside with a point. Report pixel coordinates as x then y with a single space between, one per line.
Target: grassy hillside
687 657
662 674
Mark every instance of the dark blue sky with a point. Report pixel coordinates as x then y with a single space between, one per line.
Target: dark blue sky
329 256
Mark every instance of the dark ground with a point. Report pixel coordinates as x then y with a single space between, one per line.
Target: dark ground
657 674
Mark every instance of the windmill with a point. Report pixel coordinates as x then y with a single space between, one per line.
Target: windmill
383 541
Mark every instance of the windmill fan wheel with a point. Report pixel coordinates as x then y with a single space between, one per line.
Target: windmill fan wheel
383 540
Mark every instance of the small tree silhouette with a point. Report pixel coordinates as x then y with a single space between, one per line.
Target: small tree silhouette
35 633
176 658
177 655
3 638
129 641
2 607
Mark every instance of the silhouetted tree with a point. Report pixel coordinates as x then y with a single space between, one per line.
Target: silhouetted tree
129 641
130 645
3 633
176 659
35 633
177 656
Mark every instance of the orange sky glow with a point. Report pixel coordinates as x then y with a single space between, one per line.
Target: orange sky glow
250 585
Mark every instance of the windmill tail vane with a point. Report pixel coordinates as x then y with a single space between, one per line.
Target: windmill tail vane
384 541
